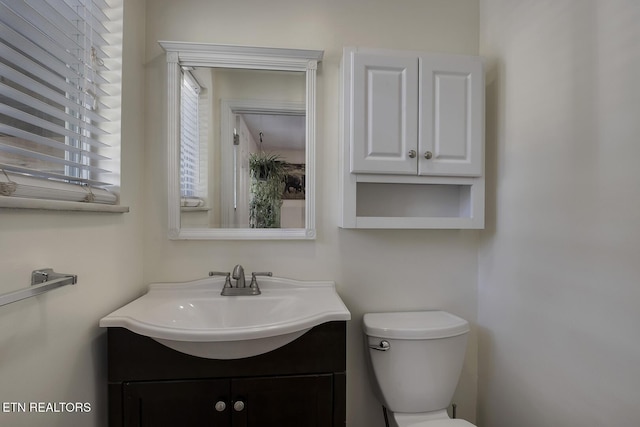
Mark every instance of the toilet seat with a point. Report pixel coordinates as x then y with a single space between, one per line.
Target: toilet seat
443 423
431 419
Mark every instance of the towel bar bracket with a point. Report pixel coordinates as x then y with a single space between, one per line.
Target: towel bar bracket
42 280
46 274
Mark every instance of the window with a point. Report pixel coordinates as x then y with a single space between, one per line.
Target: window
60 72
189 136
193 108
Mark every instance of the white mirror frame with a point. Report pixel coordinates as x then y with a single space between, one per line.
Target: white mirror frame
187 54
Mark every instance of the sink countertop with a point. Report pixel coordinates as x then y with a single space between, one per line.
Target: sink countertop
194 318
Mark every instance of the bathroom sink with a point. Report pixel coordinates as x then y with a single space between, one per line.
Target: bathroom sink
193 318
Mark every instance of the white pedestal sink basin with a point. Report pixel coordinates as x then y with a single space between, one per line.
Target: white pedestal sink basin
193 318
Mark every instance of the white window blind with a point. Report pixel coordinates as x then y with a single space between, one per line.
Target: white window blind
190 185
60 72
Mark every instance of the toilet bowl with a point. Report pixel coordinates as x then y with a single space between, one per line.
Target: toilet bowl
415 359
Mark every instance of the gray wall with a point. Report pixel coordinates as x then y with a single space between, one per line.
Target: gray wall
51 348
373 270
558 266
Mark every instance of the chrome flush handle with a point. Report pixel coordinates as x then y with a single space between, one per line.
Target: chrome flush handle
383 346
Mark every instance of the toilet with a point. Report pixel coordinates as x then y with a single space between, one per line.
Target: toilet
415 359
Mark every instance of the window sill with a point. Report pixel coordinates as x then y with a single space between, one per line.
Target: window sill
194 209
57 205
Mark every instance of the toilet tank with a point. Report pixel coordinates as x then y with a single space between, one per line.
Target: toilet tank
419 371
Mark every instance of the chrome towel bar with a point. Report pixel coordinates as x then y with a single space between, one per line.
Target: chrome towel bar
42 280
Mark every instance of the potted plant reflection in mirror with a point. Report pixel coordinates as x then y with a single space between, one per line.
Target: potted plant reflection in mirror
267 184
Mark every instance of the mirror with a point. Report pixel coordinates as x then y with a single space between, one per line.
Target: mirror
241 140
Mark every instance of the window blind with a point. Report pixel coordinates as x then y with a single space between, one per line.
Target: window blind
189 140
59 64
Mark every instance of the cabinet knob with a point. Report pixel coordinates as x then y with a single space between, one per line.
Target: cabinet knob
238 405
428 155
412 154
220 406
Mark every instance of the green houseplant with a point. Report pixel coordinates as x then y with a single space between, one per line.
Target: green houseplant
267 184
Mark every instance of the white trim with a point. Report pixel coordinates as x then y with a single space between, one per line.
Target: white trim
173 144
227 56
245 234
230 56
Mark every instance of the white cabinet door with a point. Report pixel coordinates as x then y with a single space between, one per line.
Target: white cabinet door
384 113
451 125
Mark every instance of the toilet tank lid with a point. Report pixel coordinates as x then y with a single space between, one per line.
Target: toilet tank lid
414 325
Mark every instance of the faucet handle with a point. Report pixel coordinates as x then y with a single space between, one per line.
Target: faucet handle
254 282
227 281
218 273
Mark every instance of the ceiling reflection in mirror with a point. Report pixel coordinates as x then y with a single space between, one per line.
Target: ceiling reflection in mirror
229 117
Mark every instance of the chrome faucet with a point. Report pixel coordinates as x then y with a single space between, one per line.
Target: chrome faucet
241 287
238 275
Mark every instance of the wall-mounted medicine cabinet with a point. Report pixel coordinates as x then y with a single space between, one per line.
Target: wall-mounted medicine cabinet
412 143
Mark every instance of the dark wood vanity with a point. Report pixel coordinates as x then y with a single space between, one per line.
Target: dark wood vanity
300 384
